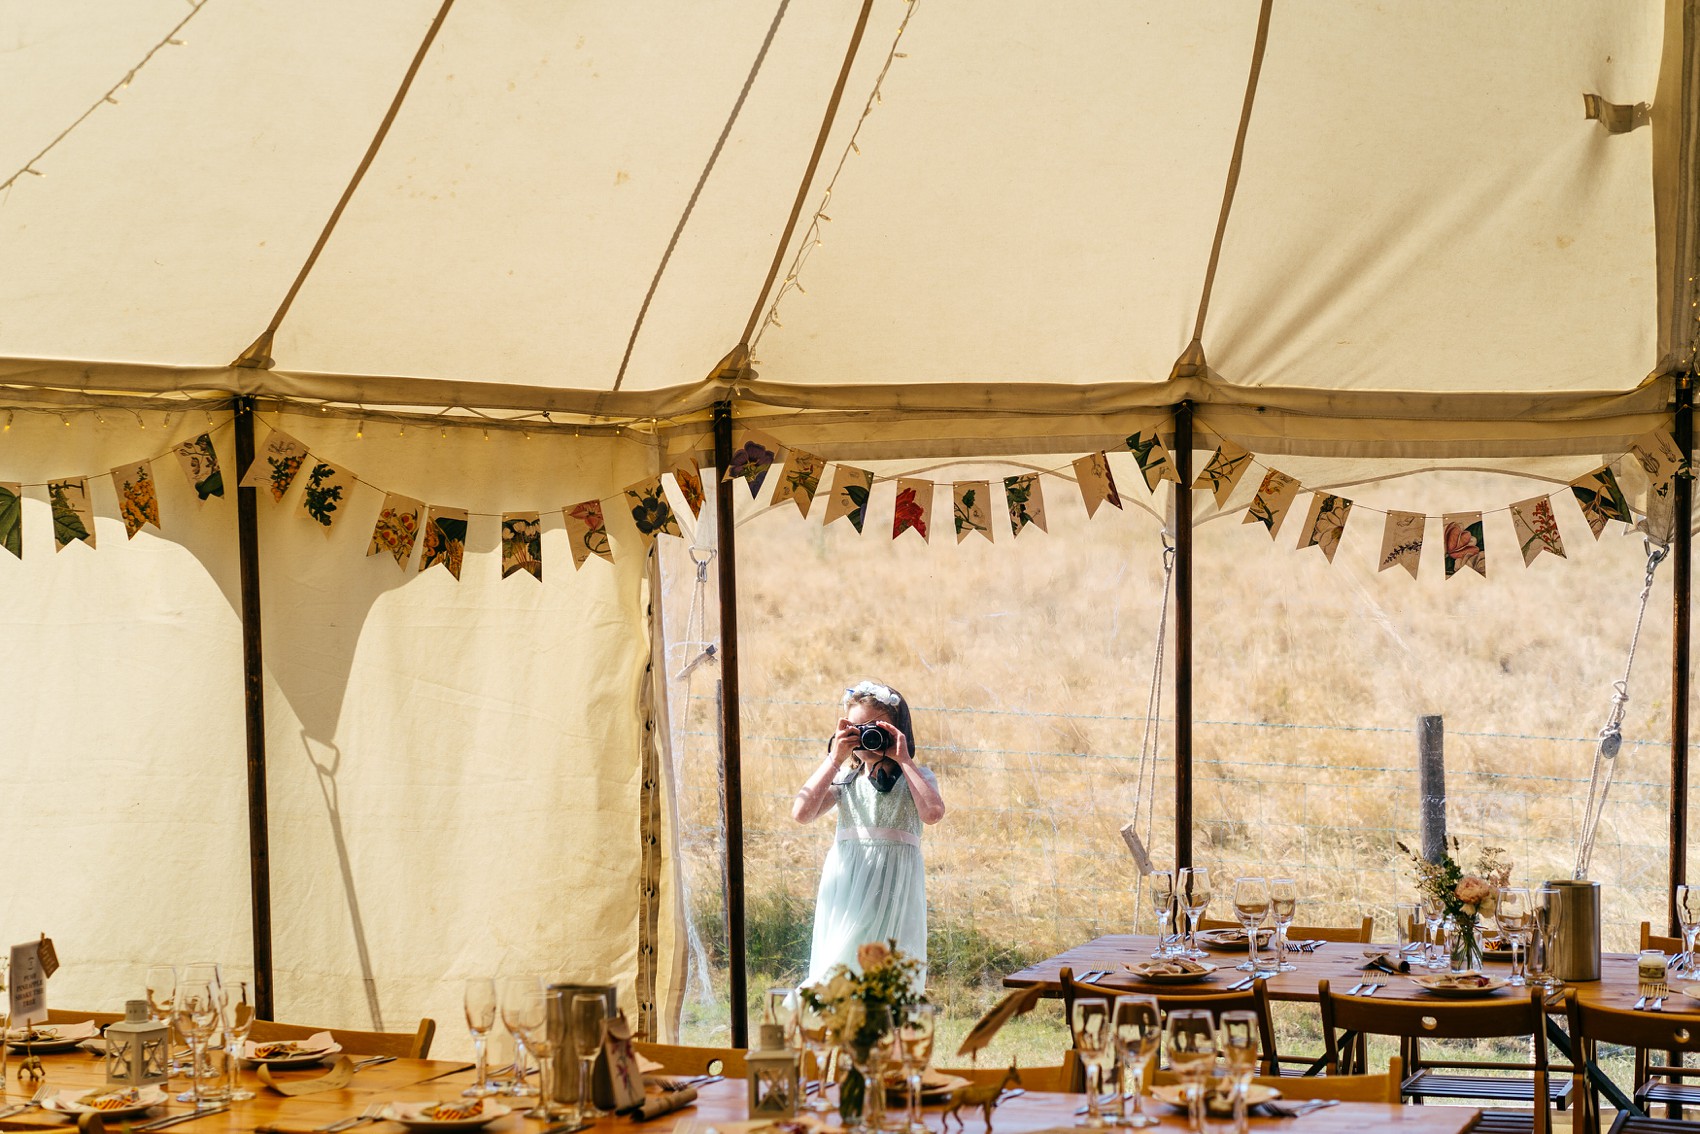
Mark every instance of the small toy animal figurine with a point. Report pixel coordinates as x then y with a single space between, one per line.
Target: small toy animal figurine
983 1095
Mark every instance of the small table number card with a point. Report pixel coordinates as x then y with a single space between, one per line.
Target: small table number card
28 989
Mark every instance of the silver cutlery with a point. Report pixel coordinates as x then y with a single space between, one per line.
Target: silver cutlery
374 1061
41 1095
1244 983
370 1114
1356 988
1369 989
174 1119
1297 1110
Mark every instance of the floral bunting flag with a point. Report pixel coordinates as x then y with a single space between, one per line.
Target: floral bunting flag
587 532
522 544
324 492
275 464
1325 523
1097 483
802 479
200 465
138 503
1402 541
753 458
1026 502
1537 528
687 474
850 489
1224 472
1274 497
1147 449
1465 545
914 507
971 510
73 515
1601 499
12 519
397 528
650 510
1658 455
445 539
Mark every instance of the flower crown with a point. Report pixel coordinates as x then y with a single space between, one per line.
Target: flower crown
884 694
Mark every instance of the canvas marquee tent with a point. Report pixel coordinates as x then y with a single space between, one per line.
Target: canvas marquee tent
511 255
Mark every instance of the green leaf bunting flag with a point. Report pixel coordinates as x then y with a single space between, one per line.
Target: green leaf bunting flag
1153 459
200 466
1097 484
12 519
1224 472
1402 541
755 455
801 480
324 491
1601 499
587 532
650 510
1536 528
522 544
687 474
397 528
972 512
73 515
1026 502
1325 523
1274 497
138 503
914 508
850 489
1465 545
445 540
275 464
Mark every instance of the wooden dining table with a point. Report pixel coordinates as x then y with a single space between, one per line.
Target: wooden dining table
719 1106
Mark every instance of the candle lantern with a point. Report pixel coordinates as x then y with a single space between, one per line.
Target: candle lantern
138 1050
774 1078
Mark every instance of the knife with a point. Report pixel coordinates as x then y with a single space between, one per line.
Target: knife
173 1120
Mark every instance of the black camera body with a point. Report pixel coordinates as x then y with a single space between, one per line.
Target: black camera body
872 738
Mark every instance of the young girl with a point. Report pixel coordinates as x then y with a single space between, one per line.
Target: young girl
872 887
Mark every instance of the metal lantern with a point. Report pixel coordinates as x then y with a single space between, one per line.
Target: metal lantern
138 1050
774 1078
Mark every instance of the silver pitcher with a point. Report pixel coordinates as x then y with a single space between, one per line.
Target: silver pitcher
1575 911
560 1002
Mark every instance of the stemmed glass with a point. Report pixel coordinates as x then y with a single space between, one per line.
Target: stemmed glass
1547 920
527 1017
195 1009
913 1038
1688 920
1136 1025
238 1020
1190 1040
1515 918
1251 906
1163 902
866 1041
1283 905
586 1015
1237 1035
1434 915
1092 1042
479 1001
812 1039
1193 887
162 989
514 1003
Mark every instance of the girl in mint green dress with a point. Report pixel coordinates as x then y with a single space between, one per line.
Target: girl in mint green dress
873 886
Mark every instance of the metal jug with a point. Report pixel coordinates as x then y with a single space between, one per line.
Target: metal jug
560 1002
1574 908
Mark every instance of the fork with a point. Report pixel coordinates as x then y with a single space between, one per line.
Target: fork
370 1114
1659 994
1296 1110
41 1095
1646 988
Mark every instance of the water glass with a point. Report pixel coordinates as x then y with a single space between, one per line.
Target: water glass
1237 1035
1515 917
1434 917
478 999
1136 1025
1283 905
1688 920
238 1021
1193 895
813 1039
914 1043
586 1016
1163 903
1548 912
514 1000
195 1009
1190 1042
1251 906
1407 918
1092 1043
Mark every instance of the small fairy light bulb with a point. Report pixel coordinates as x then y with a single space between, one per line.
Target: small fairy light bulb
65 421
486 433
402 432
10 414
445 434
98 419
360 431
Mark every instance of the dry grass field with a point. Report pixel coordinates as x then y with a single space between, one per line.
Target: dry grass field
1030 664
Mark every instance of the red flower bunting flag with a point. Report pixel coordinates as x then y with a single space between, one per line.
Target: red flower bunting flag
275 464
397 528
587 532
914 507
1536 527
687 474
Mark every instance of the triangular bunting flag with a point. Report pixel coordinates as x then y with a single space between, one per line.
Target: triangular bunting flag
1097 484
397 528
914 508
755 455
1536 527
1465 545
138 503
1325 523
73 515
1224 472
1601 499
324 491
973 513
522 544
650 510
1026 502
12 519
445 539
200 466
1402 541
802 479
1658 455
1274 497
850 489
275 464
1153 459
587 532
687 474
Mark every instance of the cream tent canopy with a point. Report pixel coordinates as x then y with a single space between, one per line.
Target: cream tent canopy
1403 232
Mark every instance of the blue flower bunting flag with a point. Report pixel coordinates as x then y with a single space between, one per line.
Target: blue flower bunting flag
755 455
650 510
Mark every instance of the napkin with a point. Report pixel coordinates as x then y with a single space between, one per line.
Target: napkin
85 1030
318 1041
340 1075
1384 961
654 1106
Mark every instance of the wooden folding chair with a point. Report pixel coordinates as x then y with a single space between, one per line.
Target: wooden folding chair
1677 1033
678 1060
403 1045
1350 934
1060 1078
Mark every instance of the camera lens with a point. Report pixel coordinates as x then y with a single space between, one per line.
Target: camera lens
872 738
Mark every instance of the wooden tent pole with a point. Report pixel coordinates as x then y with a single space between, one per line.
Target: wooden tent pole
1682 548
254 713
731 735
1183 636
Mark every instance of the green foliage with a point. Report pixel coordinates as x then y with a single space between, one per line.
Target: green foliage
321 499
11 522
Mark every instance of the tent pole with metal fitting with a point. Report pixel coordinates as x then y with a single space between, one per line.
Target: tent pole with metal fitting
731 736
1682 550
1183 636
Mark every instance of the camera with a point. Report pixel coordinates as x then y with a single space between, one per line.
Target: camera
872 738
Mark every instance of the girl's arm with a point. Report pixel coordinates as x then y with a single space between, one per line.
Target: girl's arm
928 803
816 797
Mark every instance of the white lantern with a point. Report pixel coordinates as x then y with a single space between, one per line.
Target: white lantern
138 1050
774 1078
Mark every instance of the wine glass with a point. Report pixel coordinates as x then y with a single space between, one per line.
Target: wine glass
914 1042
161 989
526 1015
1163 902
238 1020
1283 904
195 1009
1251 906
1193 886
586 1015
513 1000
1237 1035
479 1001
866 1041
1515 917
209 1085
1092 1042
812 1040
1688 920
1136 1025
1548 918
1190 1041
1434 915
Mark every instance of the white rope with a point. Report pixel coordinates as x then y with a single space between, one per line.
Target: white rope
1147 792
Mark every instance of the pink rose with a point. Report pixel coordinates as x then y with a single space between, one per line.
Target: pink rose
1472 890
872 955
